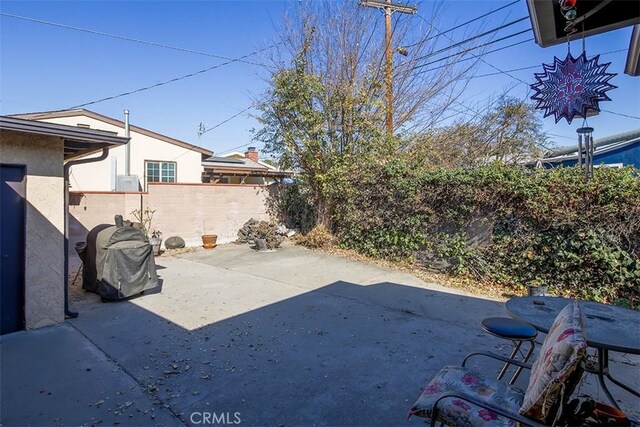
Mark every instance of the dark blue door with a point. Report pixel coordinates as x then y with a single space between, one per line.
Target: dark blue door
12 247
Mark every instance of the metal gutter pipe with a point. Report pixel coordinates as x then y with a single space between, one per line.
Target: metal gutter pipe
621 137
127 156
67 167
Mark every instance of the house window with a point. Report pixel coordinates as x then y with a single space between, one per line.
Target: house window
160 171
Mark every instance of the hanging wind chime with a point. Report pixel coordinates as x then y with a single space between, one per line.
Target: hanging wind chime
573 87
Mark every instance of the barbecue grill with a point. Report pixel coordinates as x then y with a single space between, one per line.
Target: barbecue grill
118 262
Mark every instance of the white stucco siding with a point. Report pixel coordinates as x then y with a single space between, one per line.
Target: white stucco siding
97 176
188 162
44 237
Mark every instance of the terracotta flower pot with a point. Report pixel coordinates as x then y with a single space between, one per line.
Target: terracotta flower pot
209 241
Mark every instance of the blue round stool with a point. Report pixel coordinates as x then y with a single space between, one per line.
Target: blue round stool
516 331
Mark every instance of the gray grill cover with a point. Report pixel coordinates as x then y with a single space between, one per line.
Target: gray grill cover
118 262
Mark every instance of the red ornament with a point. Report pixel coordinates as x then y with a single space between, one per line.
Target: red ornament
567 4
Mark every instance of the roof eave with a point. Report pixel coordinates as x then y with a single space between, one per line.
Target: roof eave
600 142
632 66
245 172
78 142
110 120
70 133
598 151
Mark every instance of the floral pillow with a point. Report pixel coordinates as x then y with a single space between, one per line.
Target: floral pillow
559 366
457 412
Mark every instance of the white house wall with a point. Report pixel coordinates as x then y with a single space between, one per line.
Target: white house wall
44 237
97 176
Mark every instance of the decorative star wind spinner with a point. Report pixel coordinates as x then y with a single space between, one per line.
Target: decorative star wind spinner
572 87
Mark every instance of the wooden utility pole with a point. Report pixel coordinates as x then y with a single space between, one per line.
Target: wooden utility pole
389 69
389 7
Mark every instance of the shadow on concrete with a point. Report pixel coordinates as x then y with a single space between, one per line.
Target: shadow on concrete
242 345
326 357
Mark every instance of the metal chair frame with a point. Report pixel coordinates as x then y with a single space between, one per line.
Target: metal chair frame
517 343
498 410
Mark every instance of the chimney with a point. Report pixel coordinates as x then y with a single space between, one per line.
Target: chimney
251 154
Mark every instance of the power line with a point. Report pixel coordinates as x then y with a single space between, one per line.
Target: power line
486 33
200 133
535 66
506 71
476 112
560 136
473 48
186 76
474 19
620 114
477 56
240 146
366 45
116 36
485 53
211 128
438 33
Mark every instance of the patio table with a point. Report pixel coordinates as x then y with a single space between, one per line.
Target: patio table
608 328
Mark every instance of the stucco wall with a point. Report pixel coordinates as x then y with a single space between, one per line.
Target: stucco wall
185 210
97 176
44 260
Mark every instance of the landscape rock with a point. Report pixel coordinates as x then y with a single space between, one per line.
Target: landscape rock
265 235
174 242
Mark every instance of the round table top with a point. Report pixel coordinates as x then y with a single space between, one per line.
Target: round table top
607 326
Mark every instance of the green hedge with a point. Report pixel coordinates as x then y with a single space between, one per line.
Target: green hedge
549 226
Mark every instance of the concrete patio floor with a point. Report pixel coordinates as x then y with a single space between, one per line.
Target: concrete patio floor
285 338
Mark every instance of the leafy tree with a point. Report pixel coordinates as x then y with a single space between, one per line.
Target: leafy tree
296 129
325 102
510 132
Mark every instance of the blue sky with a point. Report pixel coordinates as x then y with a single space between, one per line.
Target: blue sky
49 68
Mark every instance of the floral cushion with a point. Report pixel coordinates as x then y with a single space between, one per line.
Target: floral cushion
559 366
458 412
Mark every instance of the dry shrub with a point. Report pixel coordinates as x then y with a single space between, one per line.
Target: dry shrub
318 238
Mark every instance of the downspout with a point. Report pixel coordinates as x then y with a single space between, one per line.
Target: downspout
127 156
67 167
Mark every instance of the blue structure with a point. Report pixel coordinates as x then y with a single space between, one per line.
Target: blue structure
614 151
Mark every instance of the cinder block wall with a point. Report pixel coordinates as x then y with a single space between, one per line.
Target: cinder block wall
190 211
185 210
88 209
